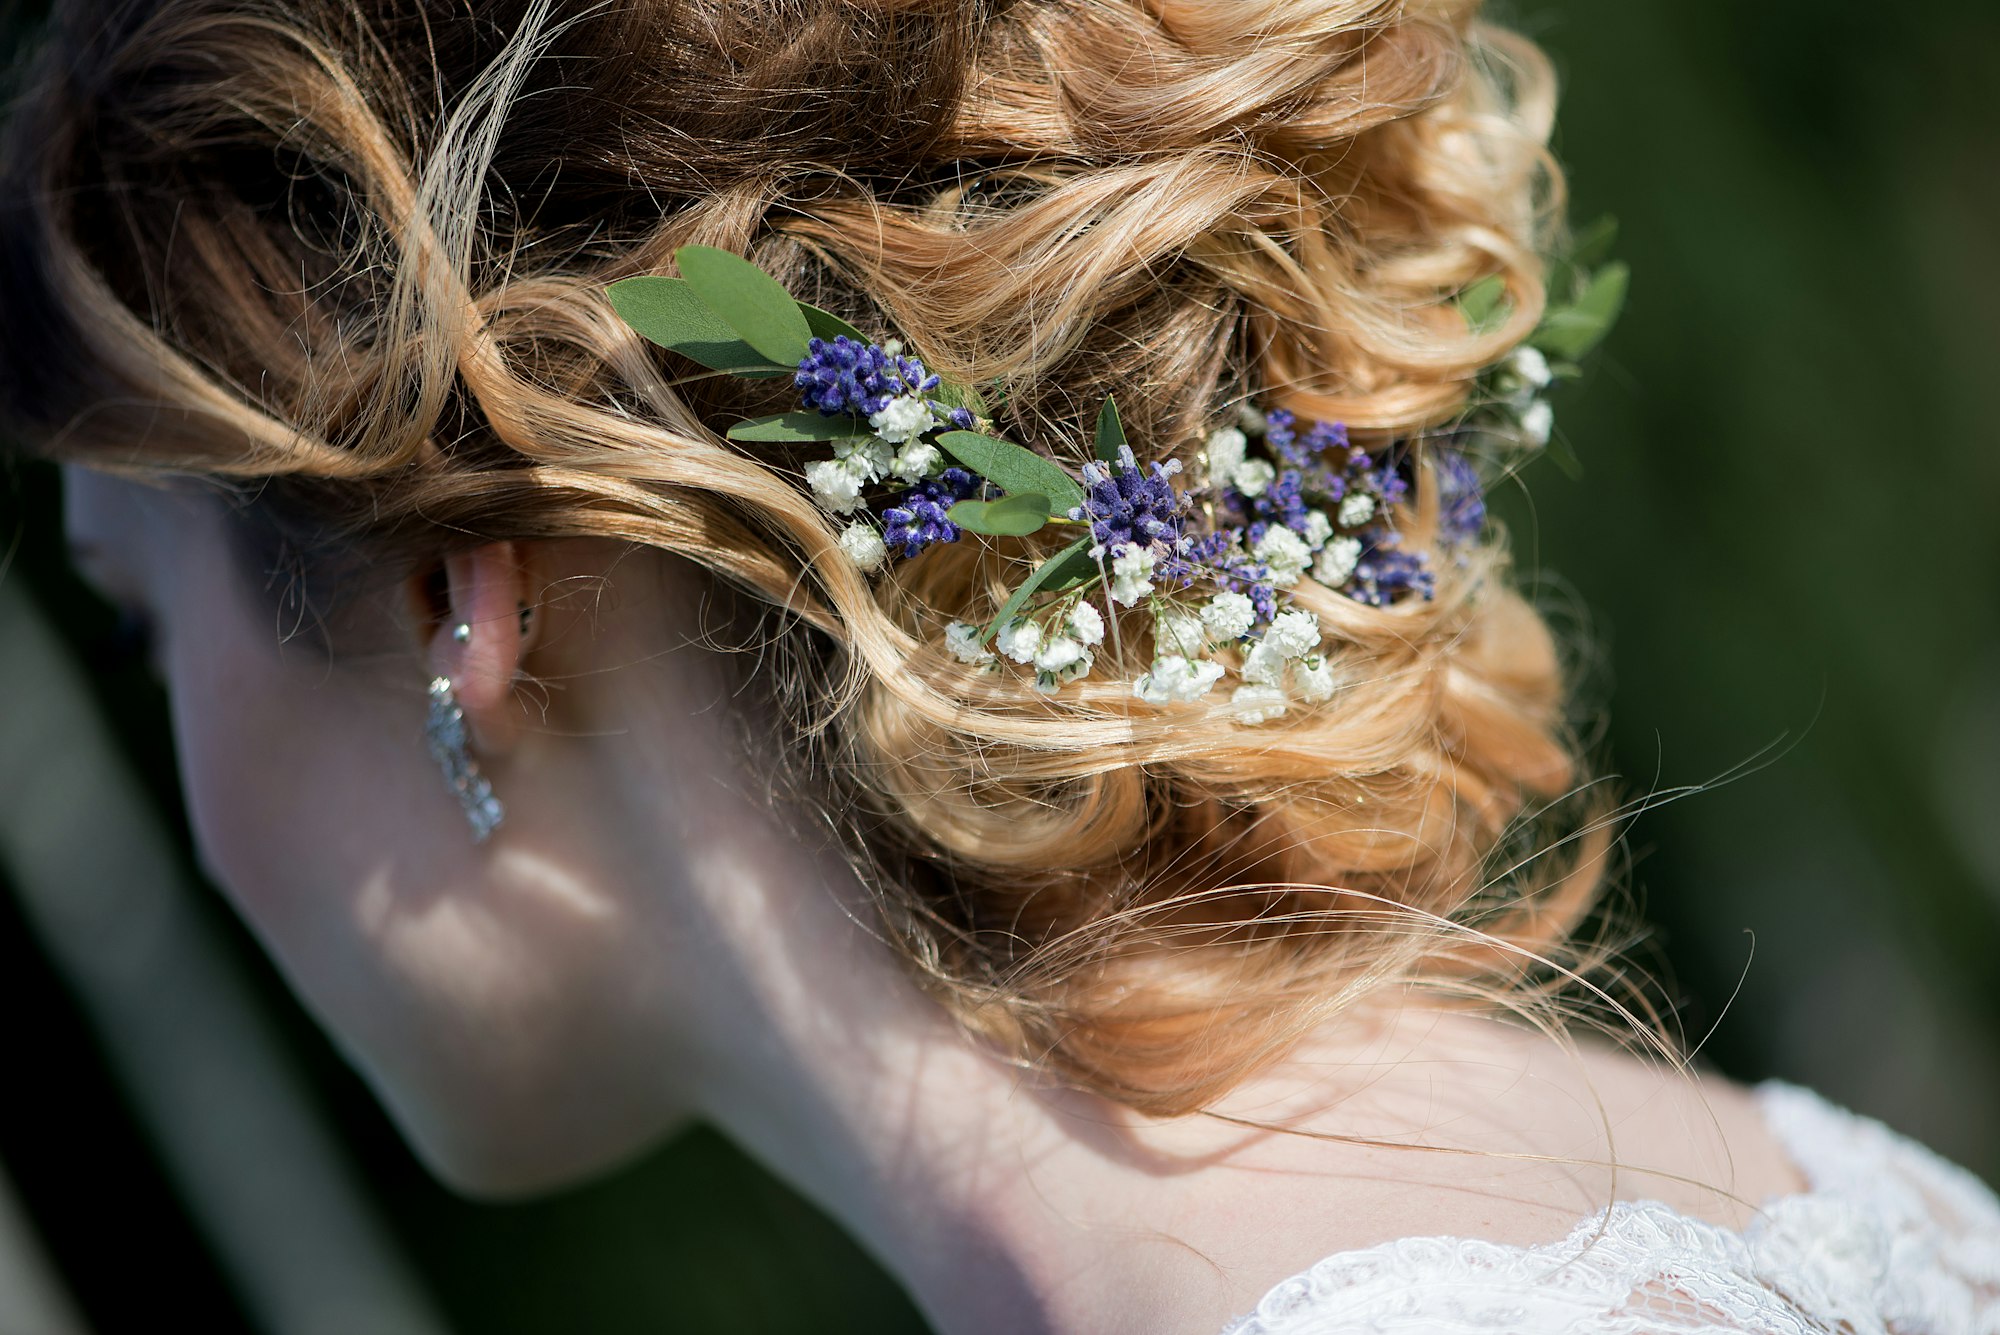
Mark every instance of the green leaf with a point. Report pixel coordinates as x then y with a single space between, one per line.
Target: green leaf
1110 432
1572 331
667 312
1013 469
1068 567
750 301
1013 516
1592 246
828 327
1079 569
793 427
1570 271
1481 302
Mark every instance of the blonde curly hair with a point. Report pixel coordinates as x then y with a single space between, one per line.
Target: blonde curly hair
357 253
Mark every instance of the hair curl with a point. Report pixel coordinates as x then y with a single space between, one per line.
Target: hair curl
356 253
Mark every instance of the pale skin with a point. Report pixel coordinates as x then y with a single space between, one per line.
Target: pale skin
650 940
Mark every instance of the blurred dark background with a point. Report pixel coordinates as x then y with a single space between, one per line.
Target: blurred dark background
1776 548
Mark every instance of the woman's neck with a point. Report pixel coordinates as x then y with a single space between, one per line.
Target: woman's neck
998 1202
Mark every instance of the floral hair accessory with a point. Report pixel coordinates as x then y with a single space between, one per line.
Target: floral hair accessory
1210 564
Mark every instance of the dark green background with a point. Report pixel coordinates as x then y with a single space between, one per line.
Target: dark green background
1782 549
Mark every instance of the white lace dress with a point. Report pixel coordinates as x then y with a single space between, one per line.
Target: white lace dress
1888 1239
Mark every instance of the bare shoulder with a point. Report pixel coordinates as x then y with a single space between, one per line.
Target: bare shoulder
1423 1124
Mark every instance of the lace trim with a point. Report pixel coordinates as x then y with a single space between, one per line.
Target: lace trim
1888 1239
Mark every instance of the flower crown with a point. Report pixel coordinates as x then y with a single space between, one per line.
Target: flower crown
917 462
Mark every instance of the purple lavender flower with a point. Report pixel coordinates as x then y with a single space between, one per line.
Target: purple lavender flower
1305 453
1461 499
1280 437
1130 506
1325 438
857 378
1231 569
1386 573
1388 482
1282 502
918 517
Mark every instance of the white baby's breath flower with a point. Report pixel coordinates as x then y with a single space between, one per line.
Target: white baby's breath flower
1264 664
1257 704
1057 654
1225 452
1253 476
1131 574
1285 553
1019 640
1530 367
1337 561
1175 678
836 483
1538 423
913 463
1358 507
862 542
869 457
901 418
962 639
1250 417
1177 631
1318 529
1228 616
1050 680
1312 678
1293 634
1086 623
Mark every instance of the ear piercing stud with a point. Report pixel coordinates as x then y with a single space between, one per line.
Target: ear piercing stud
462 632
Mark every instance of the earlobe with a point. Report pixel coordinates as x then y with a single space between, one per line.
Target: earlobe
480 641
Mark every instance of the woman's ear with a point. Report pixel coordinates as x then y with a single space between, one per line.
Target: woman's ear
476 617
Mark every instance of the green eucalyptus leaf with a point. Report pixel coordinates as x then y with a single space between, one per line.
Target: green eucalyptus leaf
1481 302
1066 569
1013 469
1572 331
797 427
750 301
1110 431
1013 516
1592 246
1569 272
828 327
667 312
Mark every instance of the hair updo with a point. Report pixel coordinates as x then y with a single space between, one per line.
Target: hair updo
356 253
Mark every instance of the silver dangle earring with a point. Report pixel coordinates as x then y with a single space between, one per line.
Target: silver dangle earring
444 729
